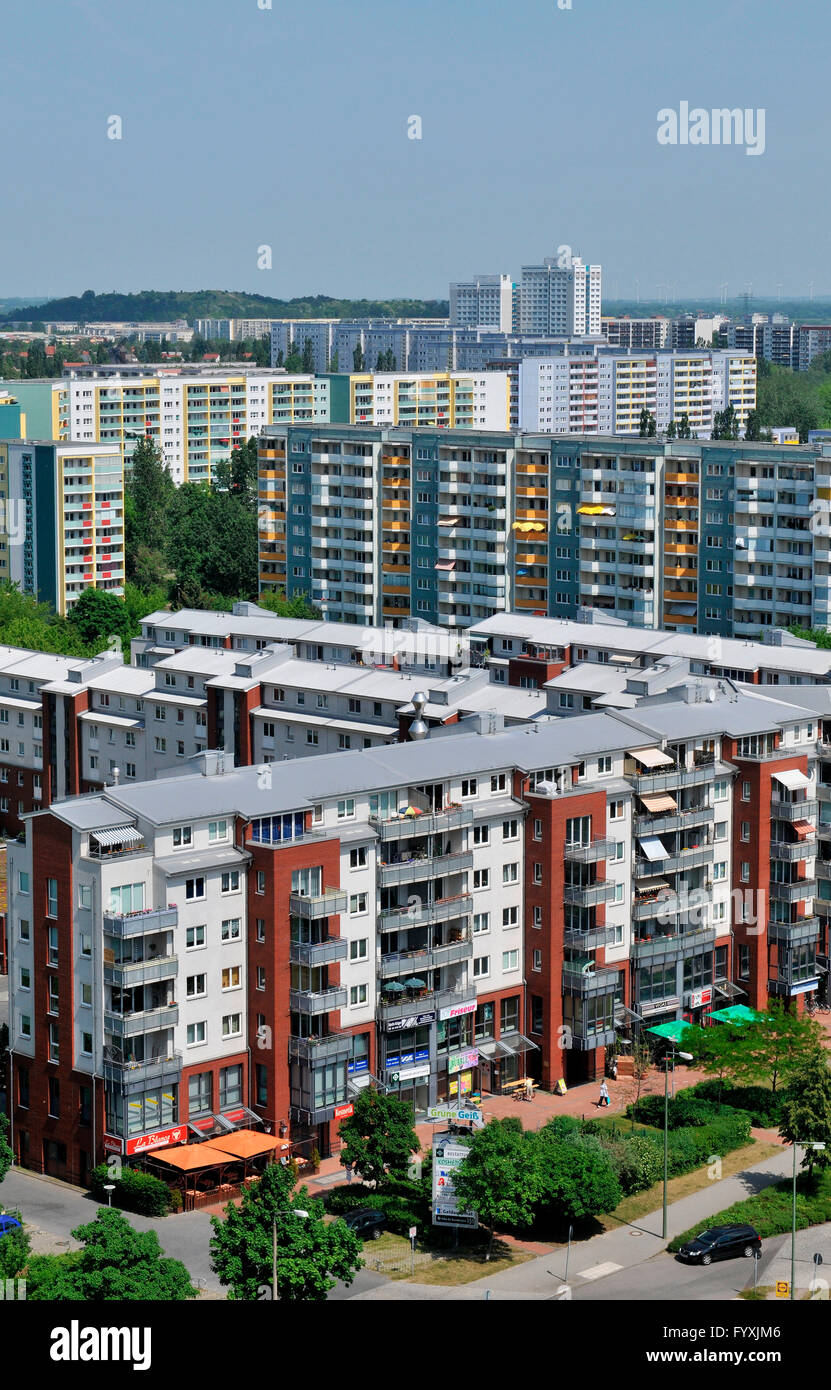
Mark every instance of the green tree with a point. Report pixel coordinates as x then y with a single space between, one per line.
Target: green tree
379 1138
117 1264
296 607
358 358
717 1051
294 361
499 1179
771 1047
333 364
806 1109
148 494
381 362
6 1154
725 424
239 476
308 356
15 1249
672 430
576 1179
684 427
311 1254
212 545
752 426
99 615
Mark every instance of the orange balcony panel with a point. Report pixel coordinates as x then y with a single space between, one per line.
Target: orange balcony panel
681 549
679 596
532 468
530 581
528 559
681 478
687 618
395 569
681 501
680 524
397 545
680 572
537 604
395 612
532 515
396 525
395 502
532 492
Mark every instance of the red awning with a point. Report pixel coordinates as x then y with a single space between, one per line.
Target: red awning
803 828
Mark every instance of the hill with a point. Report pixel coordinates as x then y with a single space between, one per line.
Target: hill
155 306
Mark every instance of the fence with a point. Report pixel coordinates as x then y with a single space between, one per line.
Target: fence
397 1261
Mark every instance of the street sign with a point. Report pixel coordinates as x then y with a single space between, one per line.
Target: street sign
783 1288
447 1157
456 1115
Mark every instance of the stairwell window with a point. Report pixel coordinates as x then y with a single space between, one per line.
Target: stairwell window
51 897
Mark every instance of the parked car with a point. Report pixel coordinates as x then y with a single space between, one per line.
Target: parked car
721 1243
366 1222
7 1224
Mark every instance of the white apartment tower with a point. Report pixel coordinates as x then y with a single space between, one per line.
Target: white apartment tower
561 296
486 301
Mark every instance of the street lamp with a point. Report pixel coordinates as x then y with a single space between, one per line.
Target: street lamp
686 1057
109 1188
808 1145
296 1211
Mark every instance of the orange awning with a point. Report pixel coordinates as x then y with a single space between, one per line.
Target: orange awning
247 1143
803 828
192 1156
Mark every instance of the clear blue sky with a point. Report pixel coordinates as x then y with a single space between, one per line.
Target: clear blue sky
288 126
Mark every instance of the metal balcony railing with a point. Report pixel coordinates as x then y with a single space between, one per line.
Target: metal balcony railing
320 1050
407 827
794 933
589 894
590 853
429 866
319 952
330 903
140 923
304 1001
144 1021
127 974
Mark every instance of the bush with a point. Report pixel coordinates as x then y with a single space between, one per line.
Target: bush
770 1212
639 1163
764 1107
134 1191
403 1206
683 1110
693 1147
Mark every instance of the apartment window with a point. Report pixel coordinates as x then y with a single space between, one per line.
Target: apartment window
509 1015
481 878
261 929
357 904
23 930
358 950
196 986
481 966
197 1033
194 938
481 834
25 977
537 829
357 857
200 1094
481 923
52 945
22 881
86 996
54 1108
217 830
182 836
161 713
498 782
260 977
159 744
51 897
721 790
357 994
231 977
312 736
231 929
469 786
344 741
194 889
510 873
745 875
744 962
86 944
720 830
231 1025
510 916
745 791
230 882
54 995
536 961
604 765
510 830
54 1043
261 881
616 810
537 922
346 809
745 830
25 1025
720 870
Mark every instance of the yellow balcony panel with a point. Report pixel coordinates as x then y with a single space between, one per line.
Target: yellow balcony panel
397 545
532 468
526 558
396 525
681 478
679 572
395 569
681 501
681 549
532 492
674 523
396 502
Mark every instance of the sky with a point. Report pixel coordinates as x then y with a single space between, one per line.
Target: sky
245 127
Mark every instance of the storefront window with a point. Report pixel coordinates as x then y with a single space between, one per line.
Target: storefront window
329 1085
455 1032
200 1094
359 1057
406 1048
484 1022
698 971
509 1015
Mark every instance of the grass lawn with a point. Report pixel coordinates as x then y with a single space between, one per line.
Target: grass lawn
440 1266
634 1207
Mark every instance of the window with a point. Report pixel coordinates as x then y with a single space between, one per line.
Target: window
230 1084
745 791
481 966
194 889
536 1013
200 1094
159 744
231 1025
261 881
721 790
604 765
358 950
182 836
261 929
745 874
260 977
509 1015
344 741
231 929
357 857
196 986
536 961
481 878
498 782
312 736
194 938
52 945
230 881
231 977
357 904
25 1025
346 809
510 830
54 1096
197 1033
720 830
537 872
481 834
469 786
23 930
86 996
357 994
745 830
510 873
537 922
481 923
510 916
51 897
54 1043
25 977
22 881
217 830
720 870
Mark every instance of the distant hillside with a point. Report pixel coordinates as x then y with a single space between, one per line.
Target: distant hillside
155 306
802 310
6 305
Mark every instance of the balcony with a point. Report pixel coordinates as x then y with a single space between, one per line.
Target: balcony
590 853
790 853
794 933
145 1021
589 894
319 952
675 863
330 903
328 1048
673 778
442 910
311 1002
428 867
584 1038
407 827
433 958
141 923
794 810
675 944
675 820
581 978
430 1001
127 974
131 1077
589 940
799 891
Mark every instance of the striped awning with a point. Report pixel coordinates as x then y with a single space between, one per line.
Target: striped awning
122 835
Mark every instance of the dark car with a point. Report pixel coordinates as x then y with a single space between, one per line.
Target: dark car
721 1243
7 1224
366 1222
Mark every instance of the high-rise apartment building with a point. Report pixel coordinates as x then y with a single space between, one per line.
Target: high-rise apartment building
453 400
486 301
560 296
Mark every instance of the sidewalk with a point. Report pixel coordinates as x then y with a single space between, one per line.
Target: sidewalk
603 1254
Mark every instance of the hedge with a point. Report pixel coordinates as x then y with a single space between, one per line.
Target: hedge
134 1191
764 1107
402 1204
682 1111
771 1211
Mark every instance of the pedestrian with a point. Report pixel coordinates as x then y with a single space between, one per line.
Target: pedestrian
348 1172
529 1088
604 1094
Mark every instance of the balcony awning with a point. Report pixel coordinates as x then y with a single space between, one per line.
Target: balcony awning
445 565
623 658
653 848
651 885
651 757
449 520
727 989
792 778
123 835
803 828
653 802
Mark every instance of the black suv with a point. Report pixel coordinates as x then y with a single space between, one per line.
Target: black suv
721 1243
366 1222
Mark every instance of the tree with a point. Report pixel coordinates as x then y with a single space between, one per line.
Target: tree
311 1254
358 358
647 427
378 1138
296 607
117 1264
576 1178
771 1047
499 1178
148 493
212 544
806 1109
684 428
15 1248
308 360
239 476
99 615
672 430
333 364
752 426
381 362
715 1050
725 424
6 1154
294 361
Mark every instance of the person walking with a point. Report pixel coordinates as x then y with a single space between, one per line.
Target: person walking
604 1094
348 1167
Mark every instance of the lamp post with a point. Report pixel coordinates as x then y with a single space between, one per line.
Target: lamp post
687 1057
808 1145
295 1211
109 1188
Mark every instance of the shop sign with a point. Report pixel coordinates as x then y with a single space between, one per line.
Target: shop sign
342 1112
459 1061
159 1139
415 1021
447 1156
700 997
409 1073
458 1010
455 1115
112 1144
659 1006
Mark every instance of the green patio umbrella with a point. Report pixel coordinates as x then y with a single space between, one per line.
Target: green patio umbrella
416 984
394 988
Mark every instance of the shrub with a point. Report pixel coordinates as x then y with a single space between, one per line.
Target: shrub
764 1107
134 1191
770 1212
683 1110
639 1163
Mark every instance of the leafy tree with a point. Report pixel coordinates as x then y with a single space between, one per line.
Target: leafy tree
378 1138
311 1254
684 427
358 358
296 607
6 1154
294 361
239 476
752 426
806 1109
672 430
148 494
716 1050
576 1178
725 424
381 362
647 427
499 1179
771 1048
99 615
15 1249
212 544
117 1264
308 359
333 364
